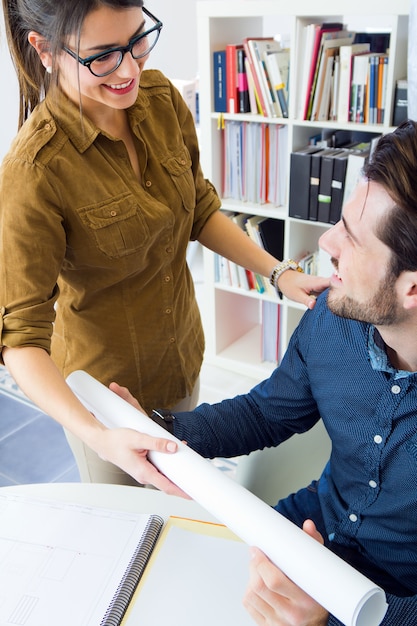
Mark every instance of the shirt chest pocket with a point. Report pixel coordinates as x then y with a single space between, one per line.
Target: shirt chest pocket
178 166
118 227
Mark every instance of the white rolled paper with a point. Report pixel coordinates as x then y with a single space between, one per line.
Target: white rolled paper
333 583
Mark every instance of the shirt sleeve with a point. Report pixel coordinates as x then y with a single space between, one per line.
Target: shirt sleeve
30 256
269 414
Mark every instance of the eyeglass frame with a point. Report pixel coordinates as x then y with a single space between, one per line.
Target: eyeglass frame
86 62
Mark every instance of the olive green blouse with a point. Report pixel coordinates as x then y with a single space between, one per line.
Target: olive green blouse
93 263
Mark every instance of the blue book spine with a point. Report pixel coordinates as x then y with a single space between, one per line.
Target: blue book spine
219 81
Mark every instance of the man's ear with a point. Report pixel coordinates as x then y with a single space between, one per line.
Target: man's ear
42 47
410 290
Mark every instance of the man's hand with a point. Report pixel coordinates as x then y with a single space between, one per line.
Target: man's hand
272 599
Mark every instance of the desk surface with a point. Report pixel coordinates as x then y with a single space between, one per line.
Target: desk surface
118 497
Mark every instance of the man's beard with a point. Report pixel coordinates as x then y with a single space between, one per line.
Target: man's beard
380 310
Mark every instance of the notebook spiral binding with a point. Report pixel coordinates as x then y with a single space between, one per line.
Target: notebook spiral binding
133 573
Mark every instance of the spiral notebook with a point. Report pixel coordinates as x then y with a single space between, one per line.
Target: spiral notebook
72 564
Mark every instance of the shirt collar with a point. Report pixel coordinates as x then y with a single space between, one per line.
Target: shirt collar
378 356
82 133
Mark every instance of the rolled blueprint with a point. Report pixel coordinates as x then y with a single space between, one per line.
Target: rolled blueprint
333 583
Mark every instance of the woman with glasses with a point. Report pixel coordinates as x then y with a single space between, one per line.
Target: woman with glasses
100 194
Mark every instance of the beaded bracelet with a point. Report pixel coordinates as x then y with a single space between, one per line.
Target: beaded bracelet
279 269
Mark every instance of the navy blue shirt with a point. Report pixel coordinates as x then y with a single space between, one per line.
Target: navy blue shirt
336 369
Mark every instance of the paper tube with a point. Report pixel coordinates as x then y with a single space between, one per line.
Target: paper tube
333 583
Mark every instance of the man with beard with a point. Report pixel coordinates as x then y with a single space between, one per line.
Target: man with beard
352 362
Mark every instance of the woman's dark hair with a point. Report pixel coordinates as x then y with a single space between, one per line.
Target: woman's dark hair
394 166
54 20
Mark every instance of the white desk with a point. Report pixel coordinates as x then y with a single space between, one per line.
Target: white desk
117 497
195 563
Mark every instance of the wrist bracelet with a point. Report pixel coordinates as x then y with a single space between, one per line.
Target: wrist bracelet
279 269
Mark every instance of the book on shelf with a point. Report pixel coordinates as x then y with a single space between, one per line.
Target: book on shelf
329 48
355 164
368 88
255 105
260 94
272 62
254 163
219 81
326 179
346 53
242 82
300 174
338 186
312 36
315 165
400 102
232 85
270 349
257 48
83 564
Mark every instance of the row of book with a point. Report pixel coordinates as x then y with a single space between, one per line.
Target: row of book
321 179
344 74
266 232
255 162
252 77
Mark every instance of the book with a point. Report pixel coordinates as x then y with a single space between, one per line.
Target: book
325 188
359 87
263 91
232 89
329 47
300 174
400 102
219 81
311 45
82 564
271 58
270 350
242 83
356 161
315 166
338 185
346 52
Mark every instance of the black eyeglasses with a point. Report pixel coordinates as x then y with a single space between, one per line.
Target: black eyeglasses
104 63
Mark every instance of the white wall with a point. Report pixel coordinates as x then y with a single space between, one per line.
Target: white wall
176 51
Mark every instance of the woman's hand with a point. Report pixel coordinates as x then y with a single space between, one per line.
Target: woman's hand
302 287
272 599
128 449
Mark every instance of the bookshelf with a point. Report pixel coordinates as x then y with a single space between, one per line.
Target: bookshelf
233 316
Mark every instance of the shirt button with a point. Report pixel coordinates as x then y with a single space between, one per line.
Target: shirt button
378 439
47 126
169 250
167 279
172 340
148 183
395 389
183 161
353 517
113 213
168 311
373 484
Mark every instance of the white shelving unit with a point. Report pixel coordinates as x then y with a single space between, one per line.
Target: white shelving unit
232 317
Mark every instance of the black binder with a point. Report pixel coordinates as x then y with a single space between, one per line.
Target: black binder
300 173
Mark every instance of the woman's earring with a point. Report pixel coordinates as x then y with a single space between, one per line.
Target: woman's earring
48 68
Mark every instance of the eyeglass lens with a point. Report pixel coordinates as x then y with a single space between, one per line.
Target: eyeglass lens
109 62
